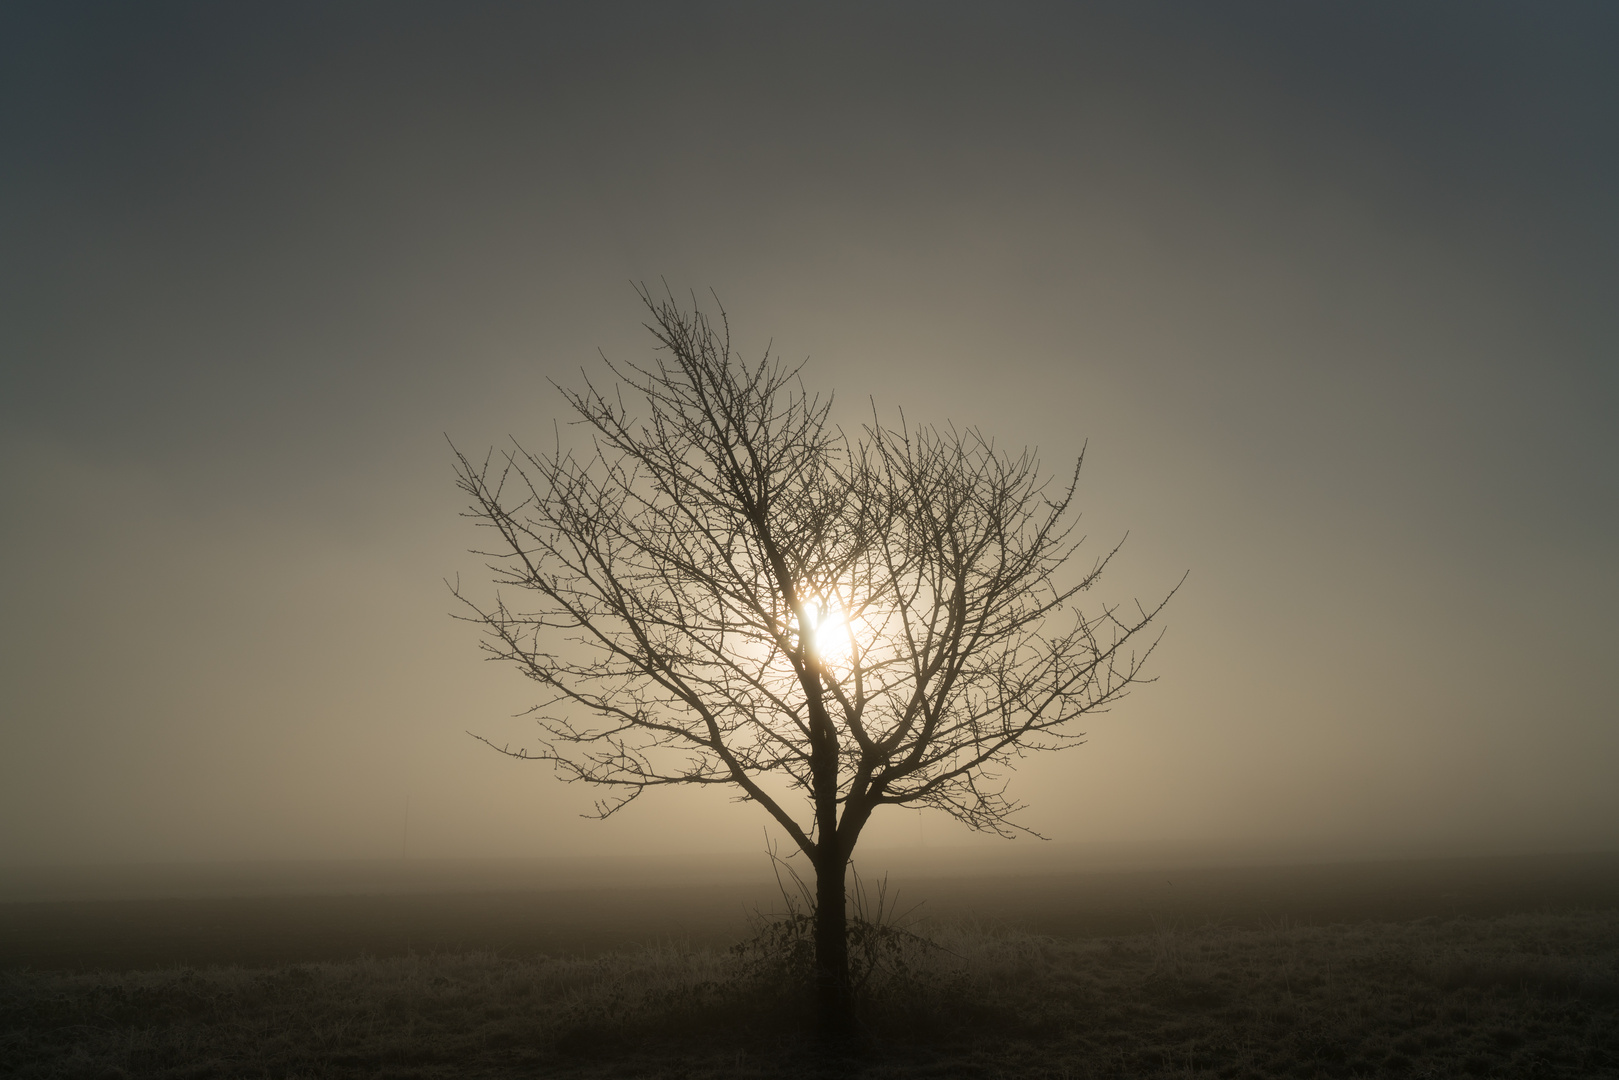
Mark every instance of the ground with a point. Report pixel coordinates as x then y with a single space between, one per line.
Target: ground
1251 994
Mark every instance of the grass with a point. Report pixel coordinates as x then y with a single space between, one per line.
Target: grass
1520 996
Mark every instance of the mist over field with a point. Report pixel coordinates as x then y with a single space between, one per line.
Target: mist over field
1324 294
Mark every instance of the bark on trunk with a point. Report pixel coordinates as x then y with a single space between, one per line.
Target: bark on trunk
834 995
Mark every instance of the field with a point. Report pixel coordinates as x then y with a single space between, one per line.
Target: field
1513 971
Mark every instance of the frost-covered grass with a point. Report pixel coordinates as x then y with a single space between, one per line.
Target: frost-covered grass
1521 996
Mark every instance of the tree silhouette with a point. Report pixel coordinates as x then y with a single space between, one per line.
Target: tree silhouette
727 589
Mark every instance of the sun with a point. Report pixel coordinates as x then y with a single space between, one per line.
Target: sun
830 630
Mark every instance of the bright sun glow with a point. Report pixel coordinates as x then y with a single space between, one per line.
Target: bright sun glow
831 633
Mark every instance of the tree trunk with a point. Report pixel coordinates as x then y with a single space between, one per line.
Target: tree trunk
834 995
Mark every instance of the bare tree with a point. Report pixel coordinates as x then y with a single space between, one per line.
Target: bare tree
728 590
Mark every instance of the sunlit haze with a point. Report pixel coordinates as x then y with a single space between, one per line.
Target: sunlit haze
1324 295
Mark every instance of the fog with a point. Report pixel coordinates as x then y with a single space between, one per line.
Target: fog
1325 295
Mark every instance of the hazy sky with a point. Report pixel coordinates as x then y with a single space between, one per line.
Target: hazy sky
1328 289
